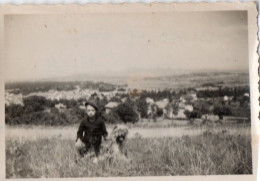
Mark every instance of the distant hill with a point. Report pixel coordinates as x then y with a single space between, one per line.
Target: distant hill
167 78
221 79
159 78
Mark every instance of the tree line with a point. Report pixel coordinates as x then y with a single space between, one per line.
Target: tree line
39 110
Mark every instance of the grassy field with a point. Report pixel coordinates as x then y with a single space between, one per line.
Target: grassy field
209 153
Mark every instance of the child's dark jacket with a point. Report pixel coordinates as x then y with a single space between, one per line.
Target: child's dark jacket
87 130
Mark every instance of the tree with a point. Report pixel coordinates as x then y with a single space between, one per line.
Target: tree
222 111
14 110
142 107
115 99
192 114
112 117
175 106
69 103
34 104
126 113
160 112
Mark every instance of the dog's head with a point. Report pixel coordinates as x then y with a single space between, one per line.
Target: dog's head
120 133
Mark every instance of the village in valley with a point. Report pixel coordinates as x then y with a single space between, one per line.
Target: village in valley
121 104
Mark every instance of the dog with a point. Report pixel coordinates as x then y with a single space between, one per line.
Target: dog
114 146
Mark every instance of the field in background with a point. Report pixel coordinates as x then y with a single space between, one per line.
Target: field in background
186 150
144 129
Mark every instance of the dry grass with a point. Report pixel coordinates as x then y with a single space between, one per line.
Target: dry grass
207 154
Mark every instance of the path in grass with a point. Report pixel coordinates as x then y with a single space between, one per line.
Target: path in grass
67 132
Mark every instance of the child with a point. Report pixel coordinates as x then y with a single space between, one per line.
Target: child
90 131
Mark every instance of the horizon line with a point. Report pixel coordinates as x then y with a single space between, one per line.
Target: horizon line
99 75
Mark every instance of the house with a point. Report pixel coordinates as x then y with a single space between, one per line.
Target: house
226 98
188 108
110 106
124 99
60 106
149 100
246 95
182 99
193 95
180 114
162 104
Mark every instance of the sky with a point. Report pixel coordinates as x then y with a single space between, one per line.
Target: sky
50 46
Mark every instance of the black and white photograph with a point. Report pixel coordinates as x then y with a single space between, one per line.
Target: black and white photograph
128 91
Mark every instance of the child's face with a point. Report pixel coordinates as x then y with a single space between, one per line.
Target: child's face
91 111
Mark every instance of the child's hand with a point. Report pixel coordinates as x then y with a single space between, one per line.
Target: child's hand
79 144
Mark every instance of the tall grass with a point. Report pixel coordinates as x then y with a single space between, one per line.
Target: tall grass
206 154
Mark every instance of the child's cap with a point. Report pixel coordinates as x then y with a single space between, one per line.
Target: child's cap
91 103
